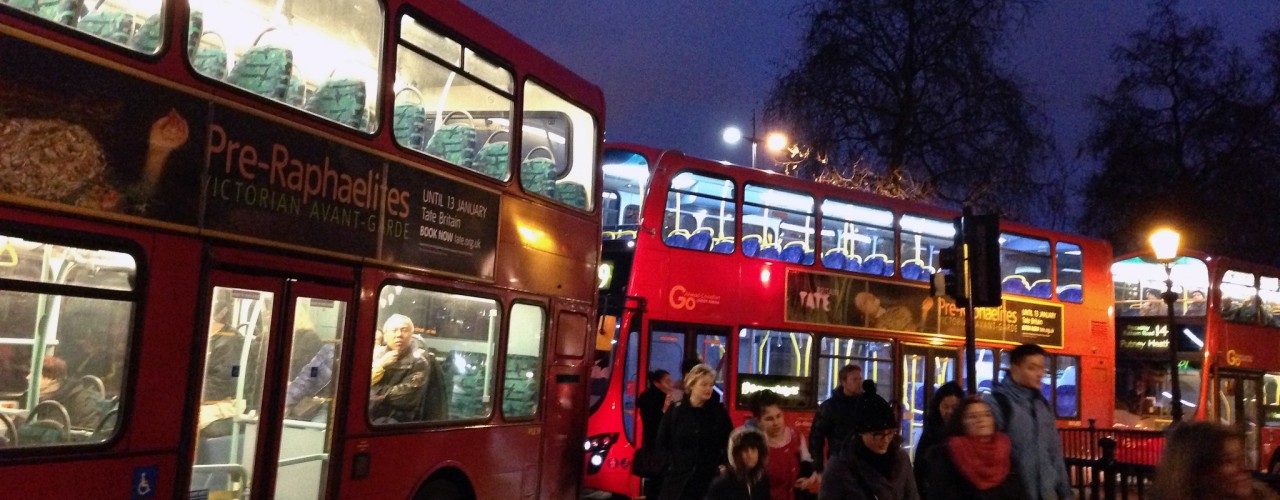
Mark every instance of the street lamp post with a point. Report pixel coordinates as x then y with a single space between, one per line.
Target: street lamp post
775 141
1165 244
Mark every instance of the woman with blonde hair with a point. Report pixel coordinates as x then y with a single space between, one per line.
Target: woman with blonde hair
693 436
1203 461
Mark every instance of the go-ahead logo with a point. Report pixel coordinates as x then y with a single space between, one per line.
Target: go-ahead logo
680 299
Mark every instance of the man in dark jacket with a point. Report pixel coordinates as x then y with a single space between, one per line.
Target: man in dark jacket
399 375
1022 412
836 416
652 403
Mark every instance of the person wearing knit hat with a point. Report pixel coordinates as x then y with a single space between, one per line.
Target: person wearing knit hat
873 464
744 478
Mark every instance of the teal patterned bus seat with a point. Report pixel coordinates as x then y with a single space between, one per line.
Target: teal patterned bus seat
341 100
520 390
264 70
147 37
454 142
110 25
575 195
59 11
535 176
210 60
467 399
296 94
493 158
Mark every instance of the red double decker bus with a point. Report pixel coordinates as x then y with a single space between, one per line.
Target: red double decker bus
1226 322
255 249
780 282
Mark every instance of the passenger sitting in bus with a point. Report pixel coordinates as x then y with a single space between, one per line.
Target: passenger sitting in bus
1152 304
1195 306
399 374
80 402
631 215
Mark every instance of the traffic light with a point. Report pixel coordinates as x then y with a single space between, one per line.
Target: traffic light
949 280
982 235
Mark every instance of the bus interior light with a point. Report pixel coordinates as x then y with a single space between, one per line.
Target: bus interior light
1192 336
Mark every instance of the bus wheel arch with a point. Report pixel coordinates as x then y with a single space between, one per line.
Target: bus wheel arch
446 484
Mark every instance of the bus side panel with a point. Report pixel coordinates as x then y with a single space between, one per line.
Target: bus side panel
122 478
400 463
168 323
549 253
153 398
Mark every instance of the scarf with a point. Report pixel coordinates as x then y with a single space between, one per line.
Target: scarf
985 464
880 462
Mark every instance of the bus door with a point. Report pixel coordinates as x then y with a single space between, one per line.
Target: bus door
670 344
924 369
1240 405
565 403
264 424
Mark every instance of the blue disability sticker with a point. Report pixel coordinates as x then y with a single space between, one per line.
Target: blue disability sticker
144 482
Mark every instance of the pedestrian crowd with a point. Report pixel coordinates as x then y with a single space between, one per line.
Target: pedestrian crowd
999 445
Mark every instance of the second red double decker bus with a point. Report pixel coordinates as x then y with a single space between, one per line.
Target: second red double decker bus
779 282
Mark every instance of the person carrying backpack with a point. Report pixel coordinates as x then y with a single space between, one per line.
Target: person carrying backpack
1022 412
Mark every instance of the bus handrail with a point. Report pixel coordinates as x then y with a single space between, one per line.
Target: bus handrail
304 424
314 457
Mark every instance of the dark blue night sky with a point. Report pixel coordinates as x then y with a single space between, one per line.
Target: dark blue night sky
676 72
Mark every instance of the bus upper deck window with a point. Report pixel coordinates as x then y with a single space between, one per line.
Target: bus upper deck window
1070 272
1239 297
784 221
922 238
557 148
452 103
852 234
1024 266
322 56
699 213
136 24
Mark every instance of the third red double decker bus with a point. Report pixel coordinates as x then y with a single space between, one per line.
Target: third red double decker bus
779 282
1226 321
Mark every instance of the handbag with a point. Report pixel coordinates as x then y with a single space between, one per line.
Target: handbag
648 463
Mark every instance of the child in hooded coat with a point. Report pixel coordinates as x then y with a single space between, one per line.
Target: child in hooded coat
744 479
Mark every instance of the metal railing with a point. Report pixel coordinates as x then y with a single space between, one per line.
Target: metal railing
1111 463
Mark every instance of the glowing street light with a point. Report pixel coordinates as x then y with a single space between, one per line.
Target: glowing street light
1164 242
775 141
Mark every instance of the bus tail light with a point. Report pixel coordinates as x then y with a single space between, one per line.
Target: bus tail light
597 448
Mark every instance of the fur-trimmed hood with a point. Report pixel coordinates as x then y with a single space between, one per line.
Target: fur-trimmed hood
752 437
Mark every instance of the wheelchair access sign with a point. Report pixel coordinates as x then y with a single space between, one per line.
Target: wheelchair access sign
144 482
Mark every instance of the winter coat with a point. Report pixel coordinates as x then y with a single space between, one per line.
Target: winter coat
932 434
650 403
694 440
398 394
848 478
833 423
731 487
1032 427
947 483
738 482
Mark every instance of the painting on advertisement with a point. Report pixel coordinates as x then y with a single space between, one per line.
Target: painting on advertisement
831 299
